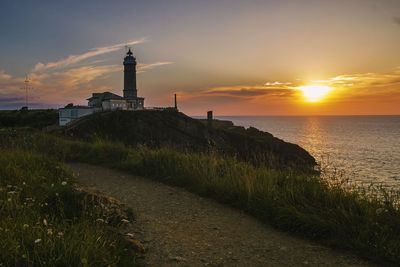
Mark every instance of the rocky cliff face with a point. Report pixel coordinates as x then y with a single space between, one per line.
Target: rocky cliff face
175 129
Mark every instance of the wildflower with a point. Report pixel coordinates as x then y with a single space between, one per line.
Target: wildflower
50 231
38 241
25 226
64 183
23 183
45 222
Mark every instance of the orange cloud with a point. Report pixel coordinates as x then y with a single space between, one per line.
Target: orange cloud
56 83
352 93
4 76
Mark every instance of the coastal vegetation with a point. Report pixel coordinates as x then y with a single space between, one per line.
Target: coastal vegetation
38 118
157 129
46 221
328 211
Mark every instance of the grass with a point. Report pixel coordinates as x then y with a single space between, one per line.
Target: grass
36 118
45 221
354 219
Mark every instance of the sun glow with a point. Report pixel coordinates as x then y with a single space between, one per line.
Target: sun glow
315 93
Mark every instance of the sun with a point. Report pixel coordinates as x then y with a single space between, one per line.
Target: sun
315 93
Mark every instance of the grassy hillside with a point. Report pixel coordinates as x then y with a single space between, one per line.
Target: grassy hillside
45 221
365 221
28 118
173 129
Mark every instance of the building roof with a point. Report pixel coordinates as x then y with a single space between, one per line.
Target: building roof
105 96
76 107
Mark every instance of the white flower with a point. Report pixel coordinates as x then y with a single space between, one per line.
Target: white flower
130 235
45 222
38 240
64 183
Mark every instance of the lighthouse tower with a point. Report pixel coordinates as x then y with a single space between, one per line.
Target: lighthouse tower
130 90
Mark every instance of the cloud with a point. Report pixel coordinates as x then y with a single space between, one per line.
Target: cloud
142 67
237 93
347 86
366 83
83 75
73 59
4 76
250 91
11 99
56 83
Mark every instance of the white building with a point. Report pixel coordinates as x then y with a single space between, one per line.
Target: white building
69 114
108 101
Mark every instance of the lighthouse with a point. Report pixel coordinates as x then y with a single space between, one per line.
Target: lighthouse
130 90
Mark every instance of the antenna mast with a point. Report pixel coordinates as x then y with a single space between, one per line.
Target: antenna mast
26 88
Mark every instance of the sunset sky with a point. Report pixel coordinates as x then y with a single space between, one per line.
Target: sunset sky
234 57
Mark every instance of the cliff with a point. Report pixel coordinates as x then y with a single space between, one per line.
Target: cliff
174 129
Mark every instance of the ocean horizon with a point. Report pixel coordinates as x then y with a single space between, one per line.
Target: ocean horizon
363 148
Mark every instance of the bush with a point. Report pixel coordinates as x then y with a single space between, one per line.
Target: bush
44 220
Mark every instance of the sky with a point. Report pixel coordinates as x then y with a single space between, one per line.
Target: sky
234 57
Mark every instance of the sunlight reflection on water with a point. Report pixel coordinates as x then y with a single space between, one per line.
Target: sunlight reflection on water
366 148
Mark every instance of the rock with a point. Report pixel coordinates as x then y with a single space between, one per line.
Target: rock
177 258
136 244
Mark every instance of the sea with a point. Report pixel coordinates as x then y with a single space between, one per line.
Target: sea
365 149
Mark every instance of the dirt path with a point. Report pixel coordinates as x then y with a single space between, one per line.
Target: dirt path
182 229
